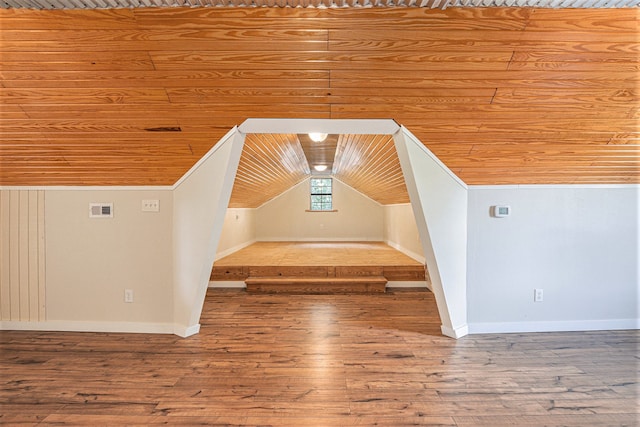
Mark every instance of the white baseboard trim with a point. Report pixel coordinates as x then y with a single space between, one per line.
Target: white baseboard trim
407 252
80 326
456 333
553 326
227 284
186 331
407 284
323 239
233 249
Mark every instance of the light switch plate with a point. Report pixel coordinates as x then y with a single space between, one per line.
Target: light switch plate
151 206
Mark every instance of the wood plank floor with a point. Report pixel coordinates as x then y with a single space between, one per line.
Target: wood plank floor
317 254
319 360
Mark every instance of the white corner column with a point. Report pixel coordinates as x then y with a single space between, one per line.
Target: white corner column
439 201
200 201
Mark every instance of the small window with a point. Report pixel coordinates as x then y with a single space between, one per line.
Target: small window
321 197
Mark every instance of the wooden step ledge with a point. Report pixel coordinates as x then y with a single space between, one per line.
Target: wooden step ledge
392 273
316 285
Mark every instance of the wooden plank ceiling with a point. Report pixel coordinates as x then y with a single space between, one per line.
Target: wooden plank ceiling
272 163
441 4
500 95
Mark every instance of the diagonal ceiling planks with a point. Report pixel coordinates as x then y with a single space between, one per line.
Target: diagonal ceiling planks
272 163
500 95
269 165
370 164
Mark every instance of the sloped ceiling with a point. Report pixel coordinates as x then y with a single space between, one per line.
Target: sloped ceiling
500 95
271 164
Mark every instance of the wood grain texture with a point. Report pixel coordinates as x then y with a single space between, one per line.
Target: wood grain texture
324 260
269 165
470 83
370 164
318 267
322 254
316 285
330 360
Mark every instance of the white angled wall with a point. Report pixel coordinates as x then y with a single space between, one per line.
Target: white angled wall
439 201
578 244
200 201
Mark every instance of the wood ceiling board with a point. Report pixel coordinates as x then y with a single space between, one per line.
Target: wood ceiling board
233 79
320 152
458 78
370 164
269 165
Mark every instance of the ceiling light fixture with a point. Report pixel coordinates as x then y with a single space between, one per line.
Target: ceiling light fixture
320 168
317 137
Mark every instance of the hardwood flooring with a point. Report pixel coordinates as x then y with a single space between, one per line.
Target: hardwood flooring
318 267
319 360
317 254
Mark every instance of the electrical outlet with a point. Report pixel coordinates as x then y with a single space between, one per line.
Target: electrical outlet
538 295
151 206
128 295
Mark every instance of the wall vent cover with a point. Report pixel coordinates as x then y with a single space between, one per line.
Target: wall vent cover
100 210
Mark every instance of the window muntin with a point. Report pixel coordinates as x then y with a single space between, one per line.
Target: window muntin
321 194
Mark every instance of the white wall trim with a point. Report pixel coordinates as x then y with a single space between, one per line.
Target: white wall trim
331 126
91 326
456 333
408 284
186 331
224 284
397 204
320 239
421 259
552 186
236 248
554 326
237 284
86 188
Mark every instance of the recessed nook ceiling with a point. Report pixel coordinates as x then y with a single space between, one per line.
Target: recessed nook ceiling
269 165
319 153
500 95
272 163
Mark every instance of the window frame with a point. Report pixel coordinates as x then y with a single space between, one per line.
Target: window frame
323 204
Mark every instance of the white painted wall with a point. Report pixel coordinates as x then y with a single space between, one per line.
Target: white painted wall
401 231
238 231
439 201
90 262
200 201
578 244
285 218
164 257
